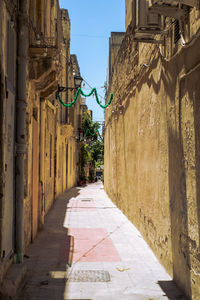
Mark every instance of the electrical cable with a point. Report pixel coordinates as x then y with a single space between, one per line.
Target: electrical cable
91 88
90 36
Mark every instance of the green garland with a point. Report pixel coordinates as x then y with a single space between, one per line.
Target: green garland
92 134
79 91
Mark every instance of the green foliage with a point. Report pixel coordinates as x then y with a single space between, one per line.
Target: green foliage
85 154
88 124
97 151
85 158
91 175
91 152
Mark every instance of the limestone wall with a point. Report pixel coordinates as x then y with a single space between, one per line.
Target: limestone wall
115 41
152 152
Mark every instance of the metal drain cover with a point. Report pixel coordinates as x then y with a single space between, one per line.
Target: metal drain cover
86 199
89 276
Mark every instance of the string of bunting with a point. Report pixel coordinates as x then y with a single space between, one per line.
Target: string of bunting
79 91
92 134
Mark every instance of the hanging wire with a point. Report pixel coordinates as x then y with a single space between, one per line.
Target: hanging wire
90 36
91 88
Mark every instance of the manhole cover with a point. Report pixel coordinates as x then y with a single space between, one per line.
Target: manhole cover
89 276
86 199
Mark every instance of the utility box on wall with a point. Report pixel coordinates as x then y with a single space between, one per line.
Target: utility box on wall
146 21
145 24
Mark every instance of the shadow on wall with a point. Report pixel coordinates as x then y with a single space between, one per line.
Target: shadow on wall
194 95
177 178
178 197
178 212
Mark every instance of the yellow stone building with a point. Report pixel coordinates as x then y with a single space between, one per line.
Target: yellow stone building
152 135
39 152
69 118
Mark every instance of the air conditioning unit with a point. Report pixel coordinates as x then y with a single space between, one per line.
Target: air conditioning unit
145 20
191 3
147 24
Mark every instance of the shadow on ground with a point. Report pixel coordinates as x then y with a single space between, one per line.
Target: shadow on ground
49 255
171 290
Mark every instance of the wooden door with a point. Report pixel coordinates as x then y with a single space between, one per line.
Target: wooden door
35 179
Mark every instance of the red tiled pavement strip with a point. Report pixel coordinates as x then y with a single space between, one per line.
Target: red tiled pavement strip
93 245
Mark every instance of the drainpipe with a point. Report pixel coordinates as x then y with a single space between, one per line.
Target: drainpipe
21 104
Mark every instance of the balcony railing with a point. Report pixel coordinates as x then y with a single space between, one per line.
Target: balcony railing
43 42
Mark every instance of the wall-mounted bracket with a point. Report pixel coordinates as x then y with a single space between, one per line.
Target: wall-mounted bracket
191 3
149 33
148 40
169 11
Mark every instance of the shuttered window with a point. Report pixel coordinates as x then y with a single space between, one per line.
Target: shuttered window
176 31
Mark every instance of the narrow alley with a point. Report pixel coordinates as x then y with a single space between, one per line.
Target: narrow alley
90 250
99 150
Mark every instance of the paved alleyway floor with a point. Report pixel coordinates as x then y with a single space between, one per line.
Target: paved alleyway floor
89 250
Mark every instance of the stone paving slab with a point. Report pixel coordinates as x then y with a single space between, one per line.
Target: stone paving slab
109 258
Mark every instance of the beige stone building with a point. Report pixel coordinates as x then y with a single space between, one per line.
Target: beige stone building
39 148
67 169
8 90
152 133
115 41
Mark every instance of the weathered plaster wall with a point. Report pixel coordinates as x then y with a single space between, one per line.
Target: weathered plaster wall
66 129
2 126
49 148
152 153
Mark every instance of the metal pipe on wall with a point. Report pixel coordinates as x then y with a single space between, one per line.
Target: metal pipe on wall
21 104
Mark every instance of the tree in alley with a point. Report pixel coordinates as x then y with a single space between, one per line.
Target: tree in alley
92 149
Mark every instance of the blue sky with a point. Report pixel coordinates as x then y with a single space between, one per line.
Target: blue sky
91 24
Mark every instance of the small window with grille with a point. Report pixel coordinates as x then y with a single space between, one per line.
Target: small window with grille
176 31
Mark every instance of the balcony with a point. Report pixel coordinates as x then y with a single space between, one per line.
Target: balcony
177 9
191 3
44 42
